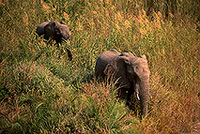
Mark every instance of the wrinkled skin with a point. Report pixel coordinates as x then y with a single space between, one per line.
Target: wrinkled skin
131 74
56 31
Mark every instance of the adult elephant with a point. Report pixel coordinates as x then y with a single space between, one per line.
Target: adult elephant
55 30
129 72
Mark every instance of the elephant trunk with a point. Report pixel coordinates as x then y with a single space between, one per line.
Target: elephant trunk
144 95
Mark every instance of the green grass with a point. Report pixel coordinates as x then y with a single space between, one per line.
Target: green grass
41 93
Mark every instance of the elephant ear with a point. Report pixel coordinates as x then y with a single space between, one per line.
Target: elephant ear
64 31
144 57
57 29
62 22
117 68
141 67
127 54
40 28
49 30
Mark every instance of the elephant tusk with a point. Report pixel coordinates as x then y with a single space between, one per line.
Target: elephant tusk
138 96
137 92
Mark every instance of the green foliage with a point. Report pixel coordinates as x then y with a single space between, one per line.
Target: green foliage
41 91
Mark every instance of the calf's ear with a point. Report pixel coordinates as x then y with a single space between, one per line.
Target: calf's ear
40 28
118 65
62 22
64 30
144 57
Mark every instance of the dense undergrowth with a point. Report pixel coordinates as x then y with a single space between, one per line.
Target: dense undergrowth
41 93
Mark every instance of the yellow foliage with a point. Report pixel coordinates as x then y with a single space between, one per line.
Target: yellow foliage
25 19
46 7
94 12
1 3
79 27
118 27
43 43
66 16
119 17
127 24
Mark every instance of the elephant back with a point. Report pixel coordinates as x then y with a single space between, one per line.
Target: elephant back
103 60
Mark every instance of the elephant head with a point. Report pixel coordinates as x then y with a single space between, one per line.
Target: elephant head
138 71
131 73
56 31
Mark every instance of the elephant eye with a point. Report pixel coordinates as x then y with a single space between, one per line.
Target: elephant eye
129 69
57 30
48 27
136 68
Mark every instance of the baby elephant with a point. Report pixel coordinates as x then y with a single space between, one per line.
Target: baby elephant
55 30
129 72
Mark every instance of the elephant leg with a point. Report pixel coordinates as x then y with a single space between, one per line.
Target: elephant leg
130 93
69 54
122 93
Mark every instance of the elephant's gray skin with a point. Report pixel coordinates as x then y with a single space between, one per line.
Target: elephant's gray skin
40 28
55 30
129 72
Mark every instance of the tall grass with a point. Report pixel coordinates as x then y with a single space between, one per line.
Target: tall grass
41 93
